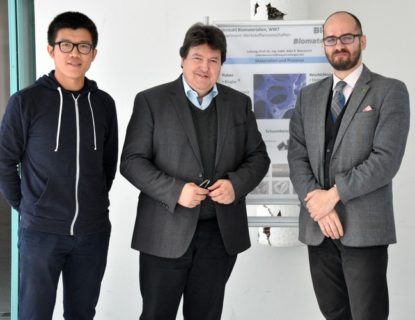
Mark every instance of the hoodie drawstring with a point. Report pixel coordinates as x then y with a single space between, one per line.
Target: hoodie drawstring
93 120
59 120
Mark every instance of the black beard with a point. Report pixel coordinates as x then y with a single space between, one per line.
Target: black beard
345 64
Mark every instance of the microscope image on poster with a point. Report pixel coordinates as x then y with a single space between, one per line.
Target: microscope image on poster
275 94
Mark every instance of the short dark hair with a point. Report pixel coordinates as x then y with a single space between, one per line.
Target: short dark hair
199 34
72 20
358 24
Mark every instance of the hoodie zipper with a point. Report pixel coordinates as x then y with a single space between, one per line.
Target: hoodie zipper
78 135
77 164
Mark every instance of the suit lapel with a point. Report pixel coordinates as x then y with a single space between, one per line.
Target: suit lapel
180 104
321 97
223 111
359 92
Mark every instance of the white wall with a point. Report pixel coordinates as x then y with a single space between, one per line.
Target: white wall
138 48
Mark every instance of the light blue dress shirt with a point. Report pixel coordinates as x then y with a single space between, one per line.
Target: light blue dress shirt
192 96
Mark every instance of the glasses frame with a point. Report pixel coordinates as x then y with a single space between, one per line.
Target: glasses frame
356 35
91 47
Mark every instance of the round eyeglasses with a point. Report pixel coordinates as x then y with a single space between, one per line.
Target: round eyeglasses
67 47
347 38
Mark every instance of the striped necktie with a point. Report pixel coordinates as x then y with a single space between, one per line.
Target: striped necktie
338 101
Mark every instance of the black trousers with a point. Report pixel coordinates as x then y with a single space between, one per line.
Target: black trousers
200 276
81 260
350 283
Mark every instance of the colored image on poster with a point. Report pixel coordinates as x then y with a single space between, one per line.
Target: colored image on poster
275 94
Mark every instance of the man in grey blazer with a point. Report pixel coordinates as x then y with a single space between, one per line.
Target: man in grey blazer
194 151
345 148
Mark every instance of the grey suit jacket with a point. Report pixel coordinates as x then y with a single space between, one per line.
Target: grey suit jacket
161 154
366 156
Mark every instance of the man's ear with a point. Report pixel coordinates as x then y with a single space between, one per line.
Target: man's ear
94 54
50 50
363 41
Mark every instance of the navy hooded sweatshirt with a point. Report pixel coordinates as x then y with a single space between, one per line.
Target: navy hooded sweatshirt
67 145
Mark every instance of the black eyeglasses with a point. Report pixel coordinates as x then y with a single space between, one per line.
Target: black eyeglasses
347 38
67 47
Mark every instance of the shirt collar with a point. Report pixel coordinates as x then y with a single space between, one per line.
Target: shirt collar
351 79
192 95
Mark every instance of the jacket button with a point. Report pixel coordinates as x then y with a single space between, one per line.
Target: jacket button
200 175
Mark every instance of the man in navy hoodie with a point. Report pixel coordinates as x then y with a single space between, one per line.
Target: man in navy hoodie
58 158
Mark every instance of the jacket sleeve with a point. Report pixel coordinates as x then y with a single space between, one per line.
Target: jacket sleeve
111 147
12 145
137 158
256 161
388 147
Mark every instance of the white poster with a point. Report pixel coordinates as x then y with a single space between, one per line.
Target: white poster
271 61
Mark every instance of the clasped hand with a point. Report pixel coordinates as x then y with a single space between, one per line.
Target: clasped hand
221 192
320 202
331 226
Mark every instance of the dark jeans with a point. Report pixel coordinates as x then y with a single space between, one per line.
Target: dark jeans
350 283
44 256
200 276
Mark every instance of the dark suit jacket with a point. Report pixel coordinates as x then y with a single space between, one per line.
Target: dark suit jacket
366 156
161 154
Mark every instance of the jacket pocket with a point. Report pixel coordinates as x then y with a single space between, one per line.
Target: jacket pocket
57 200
